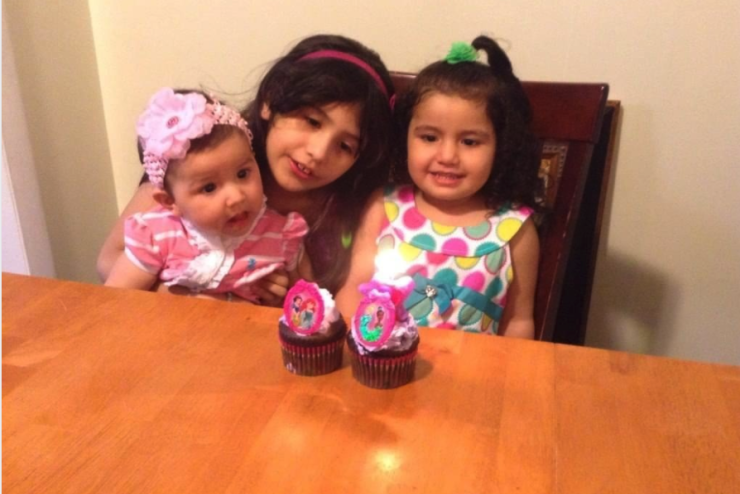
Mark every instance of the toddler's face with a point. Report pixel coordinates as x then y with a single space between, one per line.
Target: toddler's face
451 147
312 147
219 190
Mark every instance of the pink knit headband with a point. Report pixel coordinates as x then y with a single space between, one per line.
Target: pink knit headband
340 55
172 120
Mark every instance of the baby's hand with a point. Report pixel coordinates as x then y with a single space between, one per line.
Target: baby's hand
272 288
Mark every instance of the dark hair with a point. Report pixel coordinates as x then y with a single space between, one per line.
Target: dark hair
219 133
292 84
513 177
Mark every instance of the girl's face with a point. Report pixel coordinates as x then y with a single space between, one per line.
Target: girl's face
219 190
312 147
451 148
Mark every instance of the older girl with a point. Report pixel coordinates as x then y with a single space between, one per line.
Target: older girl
323 131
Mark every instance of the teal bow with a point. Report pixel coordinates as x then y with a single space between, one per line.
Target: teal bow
443 293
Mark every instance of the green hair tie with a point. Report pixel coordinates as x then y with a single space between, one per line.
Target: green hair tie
461 52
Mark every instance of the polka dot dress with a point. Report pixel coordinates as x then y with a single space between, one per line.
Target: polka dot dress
461 274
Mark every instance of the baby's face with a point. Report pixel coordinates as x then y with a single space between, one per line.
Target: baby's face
219 190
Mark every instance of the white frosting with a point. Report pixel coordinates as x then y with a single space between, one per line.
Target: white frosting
331 313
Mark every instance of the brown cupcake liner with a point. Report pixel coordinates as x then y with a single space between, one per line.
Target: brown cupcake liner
383 373
312 361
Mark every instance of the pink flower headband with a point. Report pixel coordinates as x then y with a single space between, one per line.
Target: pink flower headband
171 120
340 55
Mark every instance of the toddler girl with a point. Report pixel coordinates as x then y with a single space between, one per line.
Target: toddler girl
211 231
462 228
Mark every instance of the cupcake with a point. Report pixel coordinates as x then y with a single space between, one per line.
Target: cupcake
384 339
311 331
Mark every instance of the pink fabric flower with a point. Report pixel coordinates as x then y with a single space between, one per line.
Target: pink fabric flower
171 121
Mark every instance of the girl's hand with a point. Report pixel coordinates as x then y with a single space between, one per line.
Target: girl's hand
272 288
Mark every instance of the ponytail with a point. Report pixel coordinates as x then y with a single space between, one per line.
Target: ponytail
497 58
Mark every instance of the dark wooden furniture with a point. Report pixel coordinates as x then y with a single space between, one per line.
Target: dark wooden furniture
575 300
123 391
567 118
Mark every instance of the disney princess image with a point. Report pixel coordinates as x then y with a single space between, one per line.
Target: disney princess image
295 315
380 308
372 323
308 310
303 308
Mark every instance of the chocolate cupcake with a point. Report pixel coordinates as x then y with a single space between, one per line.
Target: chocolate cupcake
384 339
311 331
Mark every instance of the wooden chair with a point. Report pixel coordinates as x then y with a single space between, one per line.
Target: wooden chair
575 300
567 120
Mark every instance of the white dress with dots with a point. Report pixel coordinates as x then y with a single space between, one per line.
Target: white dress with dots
461 274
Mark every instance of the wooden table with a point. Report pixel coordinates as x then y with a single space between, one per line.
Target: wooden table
109 391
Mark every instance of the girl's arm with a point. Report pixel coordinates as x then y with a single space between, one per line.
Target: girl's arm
518 318
112 249
364 248
126 274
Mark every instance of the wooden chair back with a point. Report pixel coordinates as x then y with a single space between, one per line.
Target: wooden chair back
567 120
575 300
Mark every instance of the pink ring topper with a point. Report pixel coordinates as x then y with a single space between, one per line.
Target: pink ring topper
374 321
304 308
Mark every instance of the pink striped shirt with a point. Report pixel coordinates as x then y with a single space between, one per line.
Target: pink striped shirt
162 243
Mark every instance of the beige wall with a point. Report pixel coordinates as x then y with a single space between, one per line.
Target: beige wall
669 271
55 59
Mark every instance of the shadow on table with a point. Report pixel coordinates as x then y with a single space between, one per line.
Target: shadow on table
423 368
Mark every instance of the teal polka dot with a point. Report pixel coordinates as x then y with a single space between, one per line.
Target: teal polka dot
423 322
494 289
479 231
485 248
495 260
424 241
469 315
421 310
447 276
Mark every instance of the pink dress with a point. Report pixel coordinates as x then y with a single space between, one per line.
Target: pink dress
167 245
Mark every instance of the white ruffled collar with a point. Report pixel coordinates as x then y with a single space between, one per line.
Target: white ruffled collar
215 258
